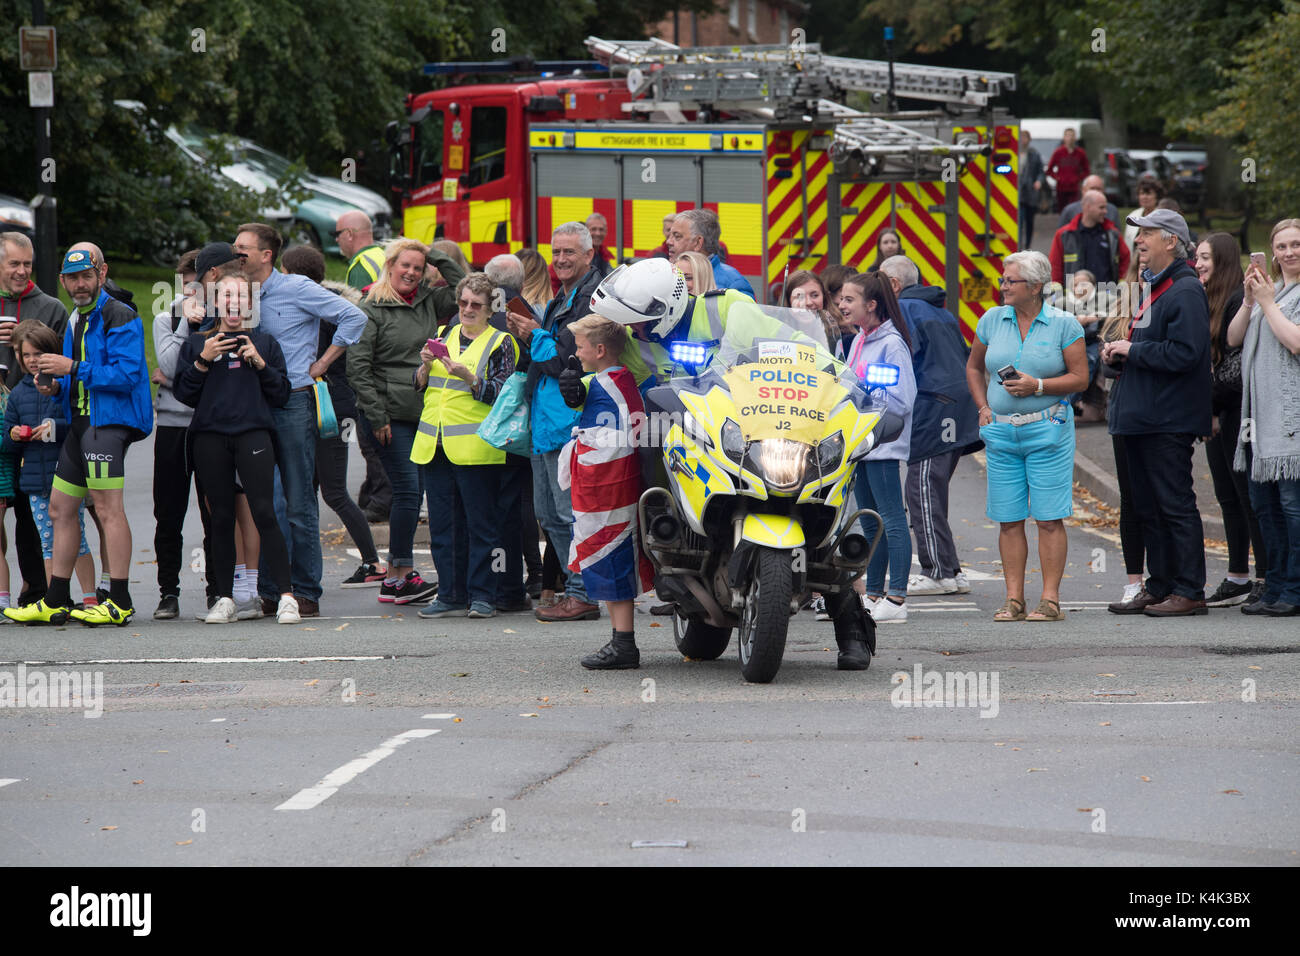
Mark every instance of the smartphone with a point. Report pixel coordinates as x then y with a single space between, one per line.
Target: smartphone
1261 260
45 379
438 348
519 307
1007 372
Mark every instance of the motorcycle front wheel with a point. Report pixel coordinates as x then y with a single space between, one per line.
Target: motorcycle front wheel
698 640
766 618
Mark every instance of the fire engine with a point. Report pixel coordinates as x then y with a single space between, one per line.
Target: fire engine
756 133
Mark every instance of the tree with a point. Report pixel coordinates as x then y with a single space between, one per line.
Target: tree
1256 112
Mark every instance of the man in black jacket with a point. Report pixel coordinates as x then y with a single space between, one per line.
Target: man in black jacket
945 426
1160 402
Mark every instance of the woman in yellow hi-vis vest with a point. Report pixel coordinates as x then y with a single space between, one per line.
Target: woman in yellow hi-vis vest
463 474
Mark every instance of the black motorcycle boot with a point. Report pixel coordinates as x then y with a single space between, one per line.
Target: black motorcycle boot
855 632
620 653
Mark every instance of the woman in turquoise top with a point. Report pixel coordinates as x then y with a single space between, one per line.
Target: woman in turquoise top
1028 426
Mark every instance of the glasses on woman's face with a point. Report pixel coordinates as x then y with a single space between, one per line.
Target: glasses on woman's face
1004 281
469 305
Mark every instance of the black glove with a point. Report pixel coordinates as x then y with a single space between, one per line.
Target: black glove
572 390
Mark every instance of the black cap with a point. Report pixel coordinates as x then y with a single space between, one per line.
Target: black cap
215 254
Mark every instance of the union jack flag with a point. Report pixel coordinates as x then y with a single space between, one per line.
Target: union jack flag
604 477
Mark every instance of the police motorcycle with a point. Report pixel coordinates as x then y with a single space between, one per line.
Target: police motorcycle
759 438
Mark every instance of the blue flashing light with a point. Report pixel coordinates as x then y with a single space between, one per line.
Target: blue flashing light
882 375
688 353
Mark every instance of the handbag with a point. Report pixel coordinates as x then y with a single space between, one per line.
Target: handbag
1227 374
506 426
327 425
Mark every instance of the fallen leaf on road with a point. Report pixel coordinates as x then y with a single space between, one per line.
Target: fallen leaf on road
309 628
1255 667
530 715
1238 792
108 828
603 803
137 781
186 682
184 842
162 751
946 653
461 674
1105 675
1084 809
1144 779
999 745
915 738
455 720
509 630
1035 770
343 625
313 682
1104 723
1015 748
671 800
980 549
655 624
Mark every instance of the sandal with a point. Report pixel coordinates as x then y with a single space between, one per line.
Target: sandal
1012 610
1047 610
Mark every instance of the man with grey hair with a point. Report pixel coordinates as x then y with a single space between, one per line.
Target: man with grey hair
20 299
1159 404
698 230
598 226
945 425
550 346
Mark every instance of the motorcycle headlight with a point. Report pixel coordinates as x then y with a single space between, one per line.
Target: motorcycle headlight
733 442
829 453
780 461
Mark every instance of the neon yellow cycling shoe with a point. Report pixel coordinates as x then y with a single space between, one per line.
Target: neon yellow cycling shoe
38 613
106 612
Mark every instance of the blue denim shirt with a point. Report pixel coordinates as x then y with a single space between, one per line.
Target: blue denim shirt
290 310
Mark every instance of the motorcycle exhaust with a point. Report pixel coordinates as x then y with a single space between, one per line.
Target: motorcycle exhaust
853 547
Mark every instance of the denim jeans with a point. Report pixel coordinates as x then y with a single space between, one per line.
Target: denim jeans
878 487
407 479
1277 506
555 512
296 504
466 575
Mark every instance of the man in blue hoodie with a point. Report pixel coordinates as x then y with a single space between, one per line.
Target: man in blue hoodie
945 426
1160 403
103 380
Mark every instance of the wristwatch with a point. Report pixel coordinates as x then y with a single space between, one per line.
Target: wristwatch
202 361
1039 391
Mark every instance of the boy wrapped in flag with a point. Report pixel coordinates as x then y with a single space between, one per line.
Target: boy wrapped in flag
602 470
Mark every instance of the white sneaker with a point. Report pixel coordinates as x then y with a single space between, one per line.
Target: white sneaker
819 608
868 604
222 612
886 611
287 612
962 582
924 584
1131 591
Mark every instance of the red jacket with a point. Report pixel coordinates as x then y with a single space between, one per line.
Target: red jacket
1065 243
1068 167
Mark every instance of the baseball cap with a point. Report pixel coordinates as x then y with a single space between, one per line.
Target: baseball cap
1165 219
78 260
215 254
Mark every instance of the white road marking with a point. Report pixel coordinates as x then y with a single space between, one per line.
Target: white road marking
5 781
1138 703
209 660
217 720
332 781
439 716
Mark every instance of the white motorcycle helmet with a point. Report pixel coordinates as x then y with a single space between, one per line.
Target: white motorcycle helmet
643 292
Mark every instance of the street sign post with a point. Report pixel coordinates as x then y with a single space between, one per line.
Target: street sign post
38 55
38 50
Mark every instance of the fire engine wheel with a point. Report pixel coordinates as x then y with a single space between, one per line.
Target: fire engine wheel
766 618
699 641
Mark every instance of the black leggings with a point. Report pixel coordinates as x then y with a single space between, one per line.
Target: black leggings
332 477
217 459
1232 489
1130 524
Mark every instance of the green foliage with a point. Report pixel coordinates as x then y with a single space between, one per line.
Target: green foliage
1256 110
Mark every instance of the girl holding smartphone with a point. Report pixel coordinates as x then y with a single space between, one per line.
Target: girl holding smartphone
232 376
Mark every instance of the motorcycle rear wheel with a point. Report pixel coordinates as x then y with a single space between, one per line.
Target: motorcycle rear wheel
698 640
766 617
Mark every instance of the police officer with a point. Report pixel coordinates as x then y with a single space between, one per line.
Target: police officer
652 290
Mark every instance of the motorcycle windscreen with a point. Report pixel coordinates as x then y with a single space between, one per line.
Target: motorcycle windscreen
780 392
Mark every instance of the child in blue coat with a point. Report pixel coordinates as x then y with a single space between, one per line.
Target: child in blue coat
33 433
